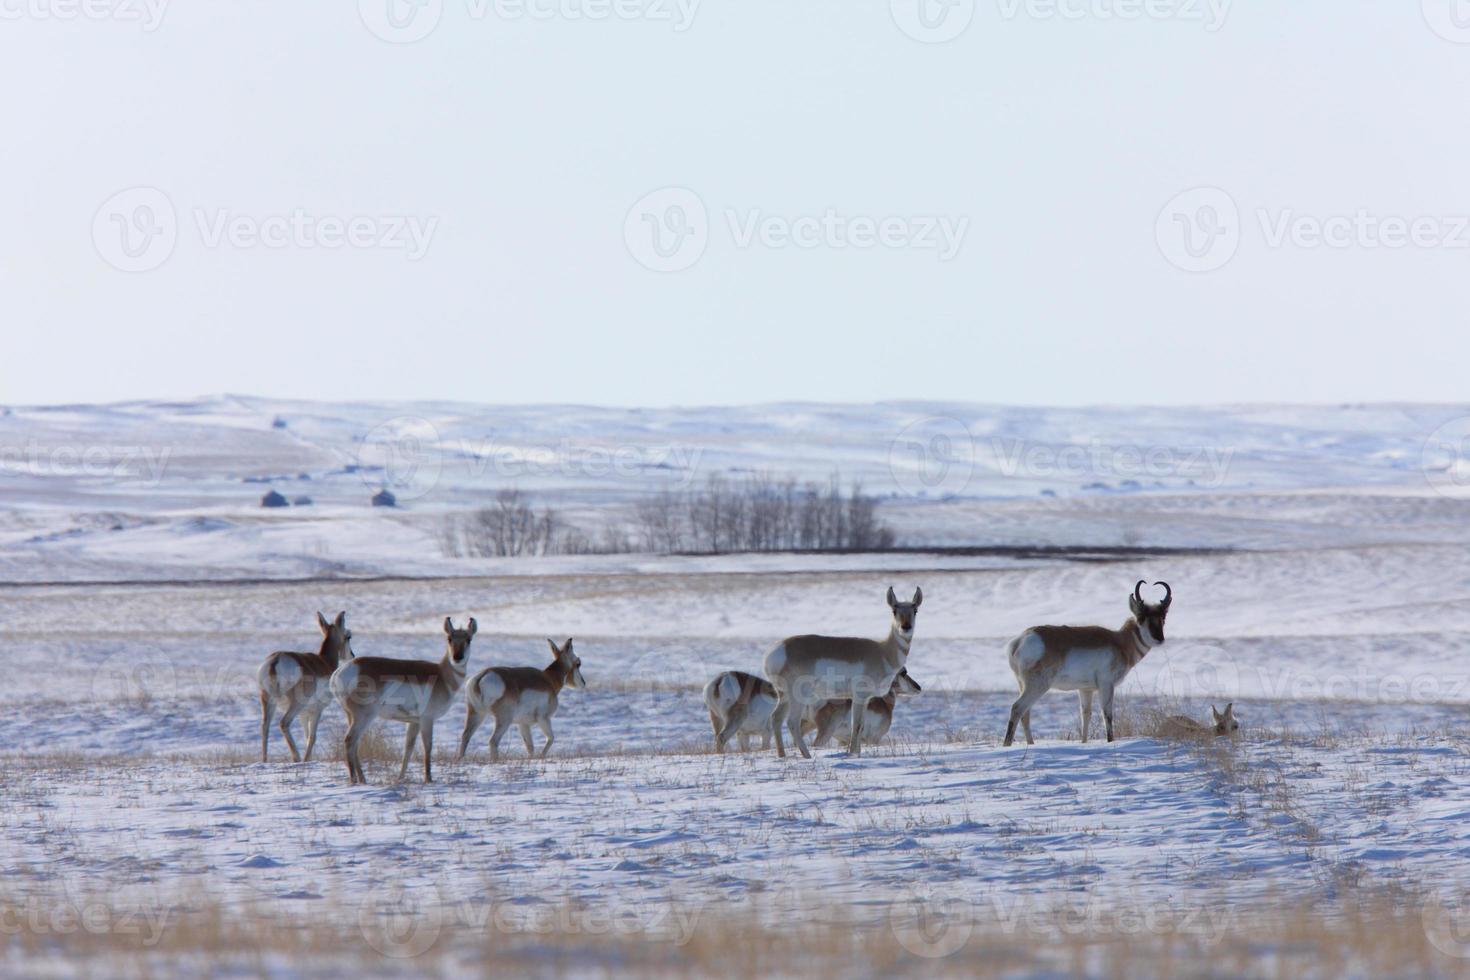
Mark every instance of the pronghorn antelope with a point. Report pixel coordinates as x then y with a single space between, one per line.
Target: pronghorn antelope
877 718
413 691
520 696
1085 659
808 670
740 704
1225 724
297 684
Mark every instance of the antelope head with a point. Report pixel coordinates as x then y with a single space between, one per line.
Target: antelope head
570 663
904 684
459 642
336 637
1150 615
1225 723
904 613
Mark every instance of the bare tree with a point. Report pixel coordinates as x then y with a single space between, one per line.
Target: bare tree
660 520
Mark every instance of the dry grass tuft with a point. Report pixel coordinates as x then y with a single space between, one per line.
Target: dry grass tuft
1372 934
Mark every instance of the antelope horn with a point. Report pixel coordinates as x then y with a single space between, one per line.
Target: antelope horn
1168 593
1138 590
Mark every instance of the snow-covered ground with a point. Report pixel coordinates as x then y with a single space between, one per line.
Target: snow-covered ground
1319 560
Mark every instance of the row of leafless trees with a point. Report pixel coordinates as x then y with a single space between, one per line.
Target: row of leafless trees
761 513
755 513
507 529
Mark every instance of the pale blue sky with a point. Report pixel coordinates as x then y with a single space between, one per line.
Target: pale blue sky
518 146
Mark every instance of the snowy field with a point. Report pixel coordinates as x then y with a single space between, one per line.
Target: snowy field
1321 565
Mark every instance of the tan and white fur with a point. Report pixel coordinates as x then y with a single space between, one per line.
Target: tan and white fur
520 696
415 692
740 704
299 684
877 718
1086 659
810 670
1179 726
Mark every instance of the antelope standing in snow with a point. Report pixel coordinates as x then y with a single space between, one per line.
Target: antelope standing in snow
877 718
297 684
416 692
520 696
740 704
1225 724
1085 659
809 670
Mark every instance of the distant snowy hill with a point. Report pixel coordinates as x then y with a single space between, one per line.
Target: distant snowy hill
162 489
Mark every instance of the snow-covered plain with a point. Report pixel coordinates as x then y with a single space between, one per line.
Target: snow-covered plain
1319 558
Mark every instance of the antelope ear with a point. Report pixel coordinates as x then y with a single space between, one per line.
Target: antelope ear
1229 710
322 622
1219 717
555 650
342 618
474 626
892 599
918 597
448 626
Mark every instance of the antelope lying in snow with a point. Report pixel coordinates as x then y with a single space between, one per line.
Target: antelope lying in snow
1085 659
297 684
416 692
740 704
1225 724
520 696
809 670
877 718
